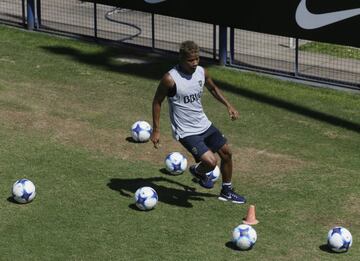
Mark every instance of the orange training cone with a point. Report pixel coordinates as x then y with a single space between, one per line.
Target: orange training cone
250 217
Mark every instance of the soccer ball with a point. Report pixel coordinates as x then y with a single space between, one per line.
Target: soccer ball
339 239
214 174
175 163
146 198
141 131
244 237
23 191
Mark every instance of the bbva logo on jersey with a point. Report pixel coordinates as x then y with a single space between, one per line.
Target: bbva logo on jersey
192 97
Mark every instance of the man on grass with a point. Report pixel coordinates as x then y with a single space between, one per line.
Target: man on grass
183 87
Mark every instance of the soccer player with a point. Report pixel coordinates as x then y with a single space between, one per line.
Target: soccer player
183 87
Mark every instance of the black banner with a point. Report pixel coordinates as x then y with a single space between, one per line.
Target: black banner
335 21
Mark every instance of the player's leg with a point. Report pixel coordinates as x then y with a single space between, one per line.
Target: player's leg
209 142
227 192
208 162
205 158
217 143
226 164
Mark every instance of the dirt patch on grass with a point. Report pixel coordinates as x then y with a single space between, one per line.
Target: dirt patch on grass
332 134
352 206
258 165
70 132
345 214
118 143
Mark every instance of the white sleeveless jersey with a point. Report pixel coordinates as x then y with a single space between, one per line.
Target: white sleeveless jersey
185 109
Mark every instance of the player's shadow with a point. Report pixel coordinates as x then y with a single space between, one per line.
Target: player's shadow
180 196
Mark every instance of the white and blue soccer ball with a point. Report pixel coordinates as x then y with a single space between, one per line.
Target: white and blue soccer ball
175 163
141 131
23 191
244 237
339 239
214 174
146 198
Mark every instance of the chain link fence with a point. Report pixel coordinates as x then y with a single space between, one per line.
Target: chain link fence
247 50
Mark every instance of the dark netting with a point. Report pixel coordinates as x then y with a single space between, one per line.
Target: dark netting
13 12
170 32
67 16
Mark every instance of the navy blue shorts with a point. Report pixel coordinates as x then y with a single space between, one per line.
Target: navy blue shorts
198 144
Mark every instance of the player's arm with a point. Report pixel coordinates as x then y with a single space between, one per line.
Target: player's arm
162 91
215 91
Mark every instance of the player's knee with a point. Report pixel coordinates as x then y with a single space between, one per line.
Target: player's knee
229 154
209 160
212 162
226 154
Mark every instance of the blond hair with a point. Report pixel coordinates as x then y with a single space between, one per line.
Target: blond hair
188 48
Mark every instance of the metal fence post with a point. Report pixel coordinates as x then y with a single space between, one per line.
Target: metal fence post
296 57
23 12
95 22
152 30
222 45
30 14
38 13
214 42
232 45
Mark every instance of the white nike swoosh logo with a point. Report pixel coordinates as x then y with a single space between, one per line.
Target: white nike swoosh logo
154 1
307 20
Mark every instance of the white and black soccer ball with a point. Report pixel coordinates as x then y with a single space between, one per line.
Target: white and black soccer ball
339 239
244 237
146 198
23 191
175 163
214 174
141 131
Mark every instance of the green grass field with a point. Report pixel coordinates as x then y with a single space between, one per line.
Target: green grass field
332 49
66 108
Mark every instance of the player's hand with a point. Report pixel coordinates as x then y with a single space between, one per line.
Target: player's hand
155 138
233 113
